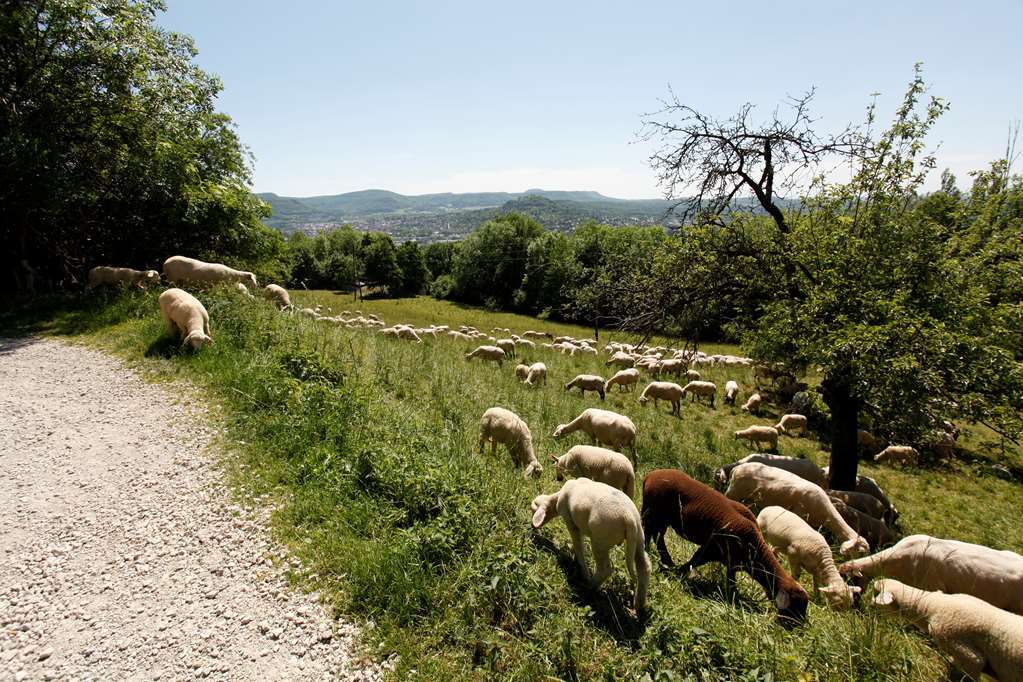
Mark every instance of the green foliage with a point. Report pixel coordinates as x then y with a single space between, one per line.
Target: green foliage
439 257
111 151
414 273
491 262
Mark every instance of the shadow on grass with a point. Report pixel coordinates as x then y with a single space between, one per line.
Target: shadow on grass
610 611
164 347
67 314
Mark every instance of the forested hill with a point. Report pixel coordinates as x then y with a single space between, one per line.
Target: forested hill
434 217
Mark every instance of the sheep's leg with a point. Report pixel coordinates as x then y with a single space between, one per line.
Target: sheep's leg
704 554
579 549
483 441
602 559
966 658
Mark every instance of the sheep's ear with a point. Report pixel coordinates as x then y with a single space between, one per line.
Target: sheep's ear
782 600
553 459
885 598
540 516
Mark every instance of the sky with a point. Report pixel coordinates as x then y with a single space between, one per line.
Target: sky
421 97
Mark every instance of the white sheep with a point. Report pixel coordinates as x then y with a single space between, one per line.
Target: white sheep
759 434
605 427
702 389
598 464
587 382
491 353
525 343
804 468
458 336
874 530
663 390
243 290
870 443
621 359
279 295
806 548
865 484
773 486
671 367
521 372
507 345
898 454
979 637
731 392
183 313
179 269
866 503
537 374
791 425
626 378
499 425
930 563
102 274
608 518
752 404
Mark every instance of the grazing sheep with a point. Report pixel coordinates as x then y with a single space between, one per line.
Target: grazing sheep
806 548
605 427
622 359
243 290
865 484
898 454
752 404
179 269
491 353
598 464
499 425
773 486
702 389
669 367
804 468
530 334
102 274
725 530
692 375
537 374
663 390
875 531
996 576
943 444
525 342
507 345
731 392
608 518
183 313
759 434
869 443
979 637
521 372
868 504
791 425
626 378
279 295
458 336
587 382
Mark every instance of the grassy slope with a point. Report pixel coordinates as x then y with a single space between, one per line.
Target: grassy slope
368 443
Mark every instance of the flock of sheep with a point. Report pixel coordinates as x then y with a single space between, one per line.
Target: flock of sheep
968 597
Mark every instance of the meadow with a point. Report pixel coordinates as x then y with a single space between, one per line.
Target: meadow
366 448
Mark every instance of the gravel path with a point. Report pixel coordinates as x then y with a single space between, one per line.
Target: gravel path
121 553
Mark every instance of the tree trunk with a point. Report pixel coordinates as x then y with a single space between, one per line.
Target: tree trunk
845 411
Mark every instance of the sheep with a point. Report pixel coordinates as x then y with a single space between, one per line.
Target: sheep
507 345
774 486
806 548
525 343
243 290
752 404
179 269
670 367
537 374
703 389
521 372
731 392
621 359
605 427
725 530
279 295
868 504
598 464
491 353
626 378
692 375
979 637
898 454
869 443
499 425
794 423
804 468
102 274
458 336
943 444
930 563
587 382
759 434
530 334
608 518
874 531
426 331
402 331
865 484
663 390
183 313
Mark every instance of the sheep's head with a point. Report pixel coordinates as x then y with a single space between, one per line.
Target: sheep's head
885 594
643 400
251 279
533 470
197 340
792 602
152 277
720 477
839 596
560 470
544 508
858 546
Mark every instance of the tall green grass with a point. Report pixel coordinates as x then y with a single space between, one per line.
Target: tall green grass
366 446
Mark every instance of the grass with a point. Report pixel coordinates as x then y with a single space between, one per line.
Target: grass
366 446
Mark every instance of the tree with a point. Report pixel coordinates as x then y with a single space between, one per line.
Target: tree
439 257
111 150
414 274
491 262
867 289
381 259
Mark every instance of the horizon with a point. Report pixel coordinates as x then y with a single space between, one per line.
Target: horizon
461 99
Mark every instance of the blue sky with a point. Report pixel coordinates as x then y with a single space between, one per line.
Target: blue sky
476 96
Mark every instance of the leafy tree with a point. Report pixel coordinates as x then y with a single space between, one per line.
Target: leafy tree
491 262
868 291
111 150
549 269
439 257
381 259
414 274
